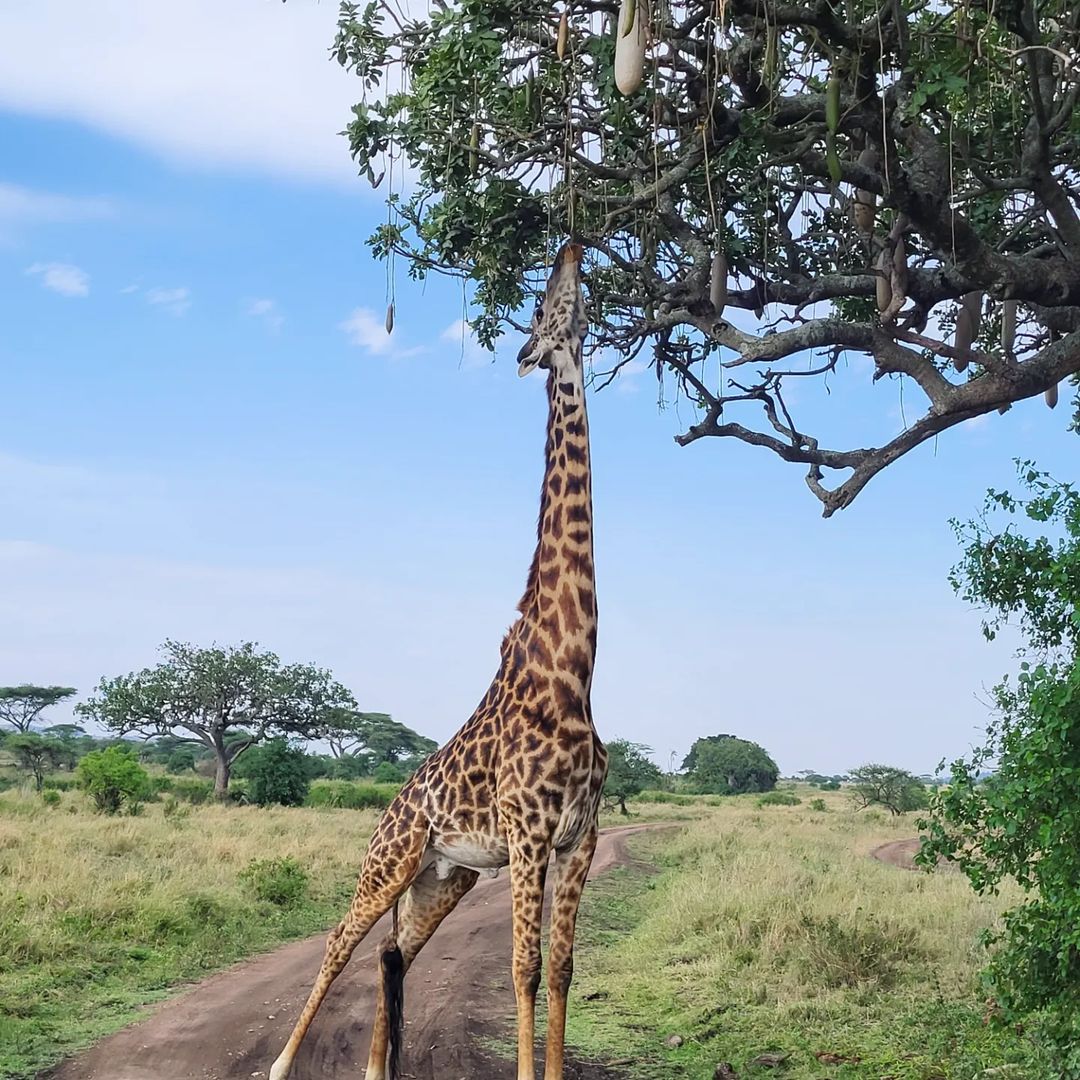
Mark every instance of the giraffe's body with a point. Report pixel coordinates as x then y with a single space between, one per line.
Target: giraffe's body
523 777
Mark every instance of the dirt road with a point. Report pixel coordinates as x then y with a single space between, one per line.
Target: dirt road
234 1024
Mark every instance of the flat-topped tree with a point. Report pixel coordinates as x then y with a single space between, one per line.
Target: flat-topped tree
227 698
887 179
21 706
377 737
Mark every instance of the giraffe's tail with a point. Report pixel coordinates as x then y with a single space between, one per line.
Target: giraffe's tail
393 988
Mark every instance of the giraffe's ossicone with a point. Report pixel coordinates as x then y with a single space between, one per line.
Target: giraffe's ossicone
522 779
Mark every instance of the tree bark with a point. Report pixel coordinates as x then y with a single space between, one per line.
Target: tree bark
221 776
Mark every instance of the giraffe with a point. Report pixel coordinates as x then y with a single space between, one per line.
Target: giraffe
523 778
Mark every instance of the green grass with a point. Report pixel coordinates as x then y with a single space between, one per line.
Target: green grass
99 916
770 932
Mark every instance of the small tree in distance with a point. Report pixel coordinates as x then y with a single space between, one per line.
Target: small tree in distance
22 706
630 771
883 785
227 698
37 754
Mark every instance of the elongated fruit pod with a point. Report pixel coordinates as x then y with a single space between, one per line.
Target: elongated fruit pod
768 64
968 323
864 210
1008 326
1050 396
630 48
718 283
883 282
899 273
390 317
474 147
563 36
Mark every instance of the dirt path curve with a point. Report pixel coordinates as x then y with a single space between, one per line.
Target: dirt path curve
233 1024
899 853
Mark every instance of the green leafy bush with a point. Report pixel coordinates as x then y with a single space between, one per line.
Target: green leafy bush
276 773
779 798
51 798
283 881
820 805
347 795
114 778
191 790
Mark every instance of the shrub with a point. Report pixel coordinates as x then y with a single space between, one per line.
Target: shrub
277 774
346 795
50 797
278 881
866 950
113 778
820 805
388 772
59 783
831 785
192 790
655 796
780 798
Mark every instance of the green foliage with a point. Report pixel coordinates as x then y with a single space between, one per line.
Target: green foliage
376 739
780 798
723 764
113 779
229 699
22 706
630 771
345 795
191 790
277 774
1023 820
830 785
819 805
282 881
748 127
51 798
883 785
37 754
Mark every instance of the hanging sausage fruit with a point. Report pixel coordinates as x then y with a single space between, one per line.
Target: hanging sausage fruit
563 36
968 324
718 283
630 46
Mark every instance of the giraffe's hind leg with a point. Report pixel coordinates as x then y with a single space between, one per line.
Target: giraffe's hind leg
391 864
428 901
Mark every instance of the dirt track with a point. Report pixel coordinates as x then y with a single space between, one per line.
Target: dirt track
234 1024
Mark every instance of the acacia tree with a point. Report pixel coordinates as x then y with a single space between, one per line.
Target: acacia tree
227 698
630 772
376 737
795 181
885 785
22 706
38 754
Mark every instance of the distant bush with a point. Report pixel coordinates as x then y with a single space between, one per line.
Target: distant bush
60 783
819 805
51 797
654 796
191 790
779 798
830 785
114 778
389 772
349 795
279 881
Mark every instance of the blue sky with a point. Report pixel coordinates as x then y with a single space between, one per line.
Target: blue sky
207 435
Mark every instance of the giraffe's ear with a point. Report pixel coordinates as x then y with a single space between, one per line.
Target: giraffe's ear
532 356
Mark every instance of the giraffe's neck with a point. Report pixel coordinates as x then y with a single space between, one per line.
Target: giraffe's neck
560 598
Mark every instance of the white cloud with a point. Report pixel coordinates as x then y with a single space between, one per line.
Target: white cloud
266 310
174 301
25 206
471 354
367 330
247 84
62 278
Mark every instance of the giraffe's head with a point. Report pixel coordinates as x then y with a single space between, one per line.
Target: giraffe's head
559 323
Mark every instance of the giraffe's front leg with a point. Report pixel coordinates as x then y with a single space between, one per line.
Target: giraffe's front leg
528 869
571 869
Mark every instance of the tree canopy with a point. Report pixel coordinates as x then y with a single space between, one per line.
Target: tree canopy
630 771
375 737
725 765
22 706
897 790
1010 809
227 698
795 182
